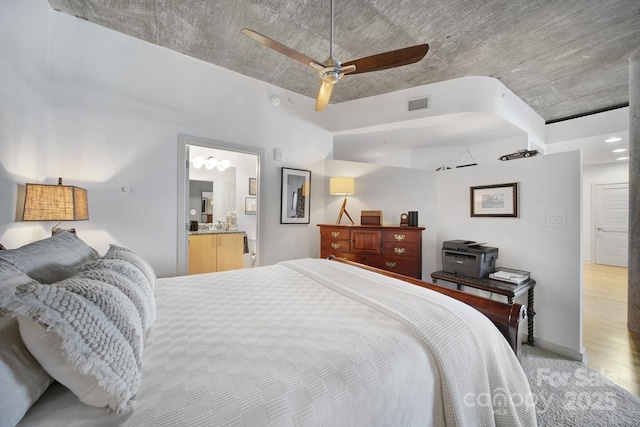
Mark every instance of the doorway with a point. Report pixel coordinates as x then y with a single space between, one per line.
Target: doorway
228 192
611 228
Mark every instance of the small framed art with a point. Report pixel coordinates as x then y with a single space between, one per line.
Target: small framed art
294 202
250 205
499 200
253 186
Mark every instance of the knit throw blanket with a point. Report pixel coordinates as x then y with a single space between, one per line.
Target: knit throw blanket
99 327
483 383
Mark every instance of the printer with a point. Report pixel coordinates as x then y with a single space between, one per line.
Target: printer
468 258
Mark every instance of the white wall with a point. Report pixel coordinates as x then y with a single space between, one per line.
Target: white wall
549 185
606 173
23 116
103 111
553 255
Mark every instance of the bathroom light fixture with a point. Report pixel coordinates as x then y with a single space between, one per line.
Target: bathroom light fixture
55 203
337 187
211 163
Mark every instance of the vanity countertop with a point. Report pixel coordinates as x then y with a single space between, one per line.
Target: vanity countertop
192 233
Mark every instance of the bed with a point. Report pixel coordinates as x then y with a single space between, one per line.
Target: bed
303 342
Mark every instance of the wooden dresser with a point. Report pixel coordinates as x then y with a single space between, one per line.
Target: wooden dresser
389 247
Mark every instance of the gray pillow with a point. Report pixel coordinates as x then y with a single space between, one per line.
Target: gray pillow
22 379
53 259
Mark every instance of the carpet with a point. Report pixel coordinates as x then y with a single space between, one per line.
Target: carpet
568 393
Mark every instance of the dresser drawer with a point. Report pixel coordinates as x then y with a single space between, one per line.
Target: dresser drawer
406 266
333 246
402 236
404 250
328 233
350 257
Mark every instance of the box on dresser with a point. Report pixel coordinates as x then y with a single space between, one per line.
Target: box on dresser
391 248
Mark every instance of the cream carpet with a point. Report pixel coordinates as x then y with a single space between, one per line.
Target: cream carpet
568 393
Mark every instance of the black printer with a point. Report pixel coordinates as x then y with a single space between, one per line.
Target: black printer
468 258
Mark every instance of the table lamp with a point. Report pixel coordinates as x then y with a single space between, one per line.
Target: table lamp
342 185
55 203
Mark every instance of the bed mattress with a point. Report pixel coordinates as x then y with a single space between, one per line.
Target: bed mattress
309 342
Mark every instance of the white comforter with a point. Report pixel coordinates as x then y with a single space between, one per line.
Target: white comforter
312 342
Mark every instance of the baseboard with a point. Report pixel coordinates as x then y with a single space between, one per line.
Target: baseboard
580 356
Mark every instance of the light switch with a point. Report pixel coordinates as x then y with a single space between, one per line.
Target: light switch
555 220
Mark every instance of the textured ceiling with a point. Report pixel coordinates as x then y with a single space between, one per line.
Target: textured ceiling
563 58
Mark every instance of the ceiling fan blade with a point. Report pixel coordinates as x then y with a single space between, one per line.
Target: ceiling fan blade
324 94
394 58
279 47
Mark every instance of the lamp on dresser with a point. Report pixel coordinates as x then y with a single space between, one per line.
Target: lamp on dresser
339 186
55 203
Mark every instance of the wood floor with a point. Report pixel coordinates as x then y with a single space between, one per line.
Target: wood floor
611 349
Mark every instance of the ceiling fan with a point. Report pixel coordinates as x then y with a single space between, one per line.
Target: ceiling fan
332 70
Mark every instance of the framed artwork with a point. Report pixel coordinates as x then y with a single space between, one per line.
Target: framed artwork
253 186
250 205
499 200
294 199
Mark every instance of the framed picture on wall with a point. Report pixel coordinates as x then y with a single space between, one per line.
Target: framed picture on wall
250 205
253 186
499 200
294 198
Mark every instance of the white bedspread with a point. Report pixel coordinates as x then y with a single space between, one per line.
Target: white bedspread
311 342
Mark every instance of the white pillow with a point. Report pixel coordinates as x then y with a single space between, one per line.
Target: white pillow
53 259
87 334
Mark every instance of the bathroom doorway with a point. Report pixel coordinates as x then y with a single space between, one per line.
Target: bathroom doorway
231 198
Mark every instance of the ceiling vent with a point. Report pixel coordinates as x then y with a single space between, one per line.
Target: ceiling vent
419 103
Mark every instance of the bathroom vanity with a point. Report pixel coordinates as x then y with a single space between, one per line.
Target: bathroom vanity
213 250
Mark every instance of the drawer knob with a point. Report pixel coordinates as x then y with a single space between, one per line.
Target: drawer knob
391 264
335 245
399 251
399 237
335 234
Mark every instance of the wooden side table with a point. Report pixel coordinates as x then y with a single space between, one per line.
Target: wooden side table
509 290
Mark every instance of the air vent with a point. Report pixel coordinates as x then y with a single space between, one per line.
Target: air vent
419 103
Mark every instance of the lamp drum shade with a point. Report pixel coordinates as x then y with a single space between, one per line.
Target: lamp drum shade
341 185
55 203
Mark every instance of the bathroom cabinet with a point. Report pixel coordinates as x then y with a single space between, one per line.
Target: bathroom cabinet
215 252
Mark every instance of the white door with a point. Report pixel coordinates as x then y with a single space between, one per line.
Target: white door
612 224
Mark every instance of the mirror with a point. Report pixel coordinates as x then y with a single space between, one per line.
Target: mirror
213 194
200 200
